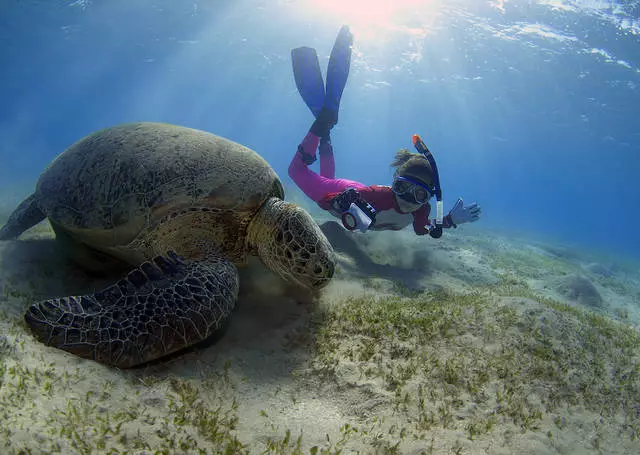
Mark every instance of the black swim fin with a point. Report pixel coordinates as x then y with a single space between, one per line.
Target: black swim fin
338 69
306 71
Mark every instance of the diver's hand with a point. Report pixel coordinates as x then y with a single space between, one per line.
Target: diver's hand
461 213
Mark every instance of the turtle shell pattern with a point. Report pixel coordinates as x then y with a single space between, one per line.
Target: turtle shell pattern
141 189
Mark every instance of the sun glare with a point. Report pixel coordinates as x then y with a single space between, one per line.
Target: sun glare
369 16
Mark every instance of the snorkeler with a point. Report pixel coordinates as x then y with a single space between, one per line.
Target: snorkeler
362 207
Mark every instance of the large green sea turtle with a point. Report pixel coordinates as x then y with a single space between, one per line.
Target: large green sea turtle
182 206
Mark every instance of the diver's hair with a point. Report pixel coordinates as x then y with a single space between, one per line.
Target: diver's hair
402 156
414 165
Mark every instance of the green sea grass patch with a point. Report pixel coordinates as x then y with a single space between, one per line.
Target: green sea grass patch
50 408
485 358
620 285
47 407
529 263
536 264
473 367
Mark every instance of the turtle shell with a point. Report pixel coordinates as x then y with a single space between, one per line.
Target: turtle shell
117 186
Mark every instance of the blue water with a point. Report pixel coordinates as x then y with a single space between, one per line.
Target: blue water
530 107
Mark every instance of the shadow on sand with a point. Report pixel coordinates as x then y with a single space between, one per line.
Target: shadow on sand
362 265
263 327
267 326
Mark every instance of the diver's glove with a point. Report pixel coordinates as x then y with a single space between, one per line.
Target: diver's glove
461 213
343 201
324 122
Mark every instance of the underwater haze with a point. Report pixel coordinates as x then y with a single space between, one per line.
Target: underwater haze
530 107
515 334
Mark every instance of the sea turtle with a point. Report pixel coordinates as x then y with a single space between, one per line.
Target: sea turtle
184 208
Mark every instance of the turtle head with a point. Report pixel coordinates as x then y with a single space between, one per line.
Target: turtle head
290 243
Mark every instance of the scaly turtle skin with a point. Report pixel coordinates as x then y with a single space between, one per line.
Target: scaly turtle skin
184 208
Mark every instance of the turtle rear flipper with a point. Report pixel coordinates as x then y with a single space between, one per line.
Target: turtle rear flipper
161 307
26 215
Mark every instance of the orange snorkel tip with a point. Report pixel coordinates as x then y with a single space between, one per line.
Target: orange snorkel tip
420 145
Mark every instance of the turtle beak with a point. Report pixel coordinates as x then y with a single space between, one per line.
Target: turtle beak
323 266
288 241
308 254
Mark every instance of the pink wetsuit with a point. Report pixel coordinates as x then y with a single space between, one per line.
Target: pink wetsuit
324 187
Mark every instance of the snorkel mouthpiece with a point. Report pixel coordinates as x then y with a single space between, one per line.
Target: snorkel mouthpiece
421 147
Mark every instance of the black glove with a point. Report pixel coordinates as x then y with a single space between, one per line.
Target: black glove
436 231
343 201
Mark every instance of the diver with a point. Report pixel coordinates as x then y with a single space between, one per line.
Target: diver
362 207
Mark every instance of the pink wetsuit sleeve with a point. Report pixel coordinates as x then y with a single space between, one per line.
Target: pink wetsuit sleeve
310 144
327 162
315 186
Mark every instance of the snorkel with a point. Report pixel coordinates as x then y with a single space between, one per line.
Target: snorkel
435 231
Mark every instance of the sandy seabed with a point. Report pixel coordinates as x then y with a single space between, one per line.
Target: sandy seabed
478 343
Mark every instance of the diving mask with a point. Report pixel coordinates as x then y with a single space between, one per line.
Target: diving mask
411 190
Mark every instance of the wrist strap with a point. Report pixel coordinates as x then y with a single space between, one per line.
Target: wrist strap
450 221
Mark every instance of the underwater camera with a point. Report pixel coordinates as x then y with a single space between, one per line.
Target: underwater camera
356 212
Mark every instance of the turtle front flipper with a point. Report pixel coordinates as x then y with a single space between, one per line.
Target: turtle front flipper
26 215
161 307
